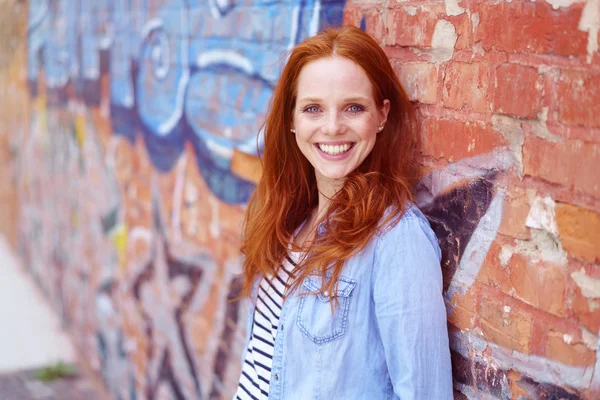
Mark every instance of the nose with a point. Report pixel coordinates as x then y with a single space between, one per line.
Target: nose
332 124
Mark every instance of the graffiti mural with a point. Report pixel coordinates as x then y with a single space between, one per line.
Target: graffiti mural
132 209
179 71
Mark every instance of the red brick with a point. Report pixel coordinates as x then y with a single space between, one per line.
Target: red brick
518 91
514 213
464 31
511 329
574 132
466 84
463 310
578 98
542 286
539 336
403 28
587 311
571 163
578 229
523 26
352 15
574 353
591 393
491 272
375 25
419 80
454 140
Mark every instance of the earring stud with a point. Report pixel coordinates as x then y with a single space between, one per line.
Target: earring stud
293 130
380 128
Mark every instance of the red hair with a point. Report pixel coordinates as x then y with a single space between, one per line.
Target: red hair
287 191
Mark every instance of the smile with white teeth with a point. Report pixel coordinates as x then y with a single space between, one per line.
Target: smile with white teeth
334 150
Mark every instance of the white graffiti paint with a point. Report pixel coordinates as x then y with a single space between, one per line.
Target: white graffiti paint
543 369
477 248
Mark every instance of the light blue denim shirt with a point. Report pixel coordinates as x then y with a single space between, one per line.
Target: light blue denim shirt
387 340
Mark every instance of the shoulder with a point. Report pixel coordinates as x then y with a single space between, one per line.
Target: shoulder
407 247
411 228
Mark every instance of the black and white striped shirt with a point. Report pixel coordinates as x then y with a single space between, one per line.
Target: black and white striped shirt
256 370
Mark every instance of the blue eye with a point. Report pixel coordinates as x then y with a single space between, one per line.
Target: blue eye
311 109
356 108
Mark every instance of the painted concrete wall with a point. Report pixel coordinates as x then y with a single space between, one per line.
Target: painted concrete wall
136 153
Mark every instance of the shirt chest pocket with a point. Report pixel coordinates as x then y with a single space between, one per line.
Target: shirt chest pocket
315 318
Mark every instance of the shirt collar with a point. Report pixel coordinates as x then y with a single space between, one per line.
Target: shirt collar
321 228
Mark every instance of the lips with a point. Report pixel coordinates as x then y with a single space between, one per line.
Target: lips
335 149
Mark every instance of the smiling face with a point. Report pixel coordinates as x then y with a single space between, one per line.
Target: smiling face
336 119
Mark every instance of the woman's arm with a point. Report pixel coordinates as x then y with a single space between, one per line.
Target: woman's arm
410 310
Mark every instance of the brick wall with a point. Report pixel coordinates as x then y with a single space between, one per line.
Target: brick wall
136 156
508 95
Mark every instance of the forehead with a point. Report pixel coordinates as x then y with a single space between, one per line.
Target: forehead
333 77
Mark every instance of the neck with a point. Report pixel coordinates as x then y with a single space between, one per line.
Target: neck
326 192
319 212
327 189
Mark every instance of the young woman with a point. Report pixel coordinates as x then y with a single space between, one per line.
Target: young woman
342 269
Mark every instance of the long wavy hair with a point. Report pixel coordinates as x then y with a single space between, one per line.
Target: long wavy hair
372 195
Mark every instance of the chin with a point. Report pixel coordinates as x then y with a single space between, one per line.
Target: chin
335 176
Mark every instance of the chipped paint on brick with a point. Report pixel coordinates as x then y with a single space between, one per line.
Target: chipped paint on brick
542 215
539 127
542 246
505 255
443 41
590 22
568 339
452 8
410 10
589 339
590 287
544 243
511 129
556 4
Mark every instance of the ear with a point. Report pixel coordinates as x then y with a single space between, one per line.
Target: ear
383 112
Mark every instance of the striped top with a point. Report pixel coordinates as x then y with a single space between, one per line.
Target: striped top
256 370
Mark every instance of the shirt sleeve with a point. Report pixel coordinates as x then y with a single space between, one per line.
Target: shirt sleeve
250 306
410 310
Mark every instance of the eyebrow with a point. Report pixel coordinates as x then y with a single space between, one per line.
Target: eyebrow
347 100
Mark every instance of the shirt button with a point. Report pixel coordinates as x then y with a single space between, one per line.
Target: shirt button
326 293
276 377
281 327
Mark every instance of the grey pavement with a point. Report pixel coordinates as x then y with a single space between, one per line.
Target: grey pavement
23 385
31 337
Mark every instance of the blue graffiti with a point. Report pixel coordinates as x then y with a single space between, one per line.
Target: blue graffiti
180 71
